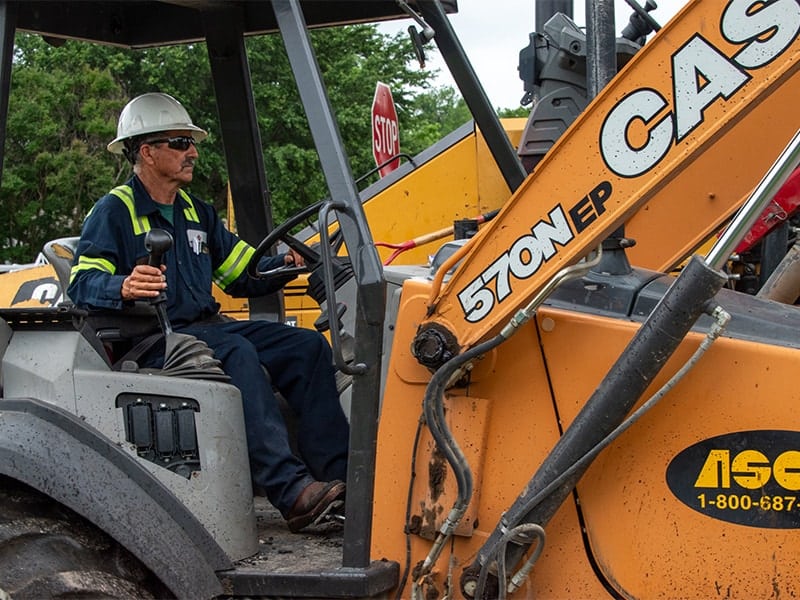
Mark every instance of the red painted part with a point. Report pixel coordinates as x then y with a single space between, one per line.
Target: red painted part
385 130
783 206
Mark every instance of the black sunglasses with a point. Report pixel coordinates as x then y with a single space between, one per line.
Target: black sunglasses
181 142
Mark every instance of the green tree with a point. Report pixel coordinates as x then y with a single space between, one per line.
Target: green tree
435 113
57 127
519 111
352 60
65 100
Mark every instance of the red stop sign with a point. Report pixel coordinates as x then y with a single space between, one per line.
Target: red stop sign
385 131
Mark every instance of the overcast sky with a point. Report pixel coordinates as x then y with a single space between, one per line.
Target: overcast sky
493 32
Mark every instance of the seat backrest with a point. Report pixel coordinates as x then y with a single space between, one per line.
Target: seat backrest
60 254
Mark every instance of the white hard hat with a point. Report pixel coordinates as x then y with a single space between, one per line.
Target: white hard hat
150 113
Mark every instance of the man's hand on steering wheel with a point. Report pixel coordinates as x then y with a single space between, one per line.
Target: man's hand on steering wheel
294 259
300 257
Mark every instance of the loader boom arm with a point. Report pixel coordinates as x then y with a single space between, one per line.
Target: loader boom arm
670 111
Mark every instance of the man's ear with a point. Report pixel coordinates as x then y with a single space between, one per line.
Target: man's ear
146 153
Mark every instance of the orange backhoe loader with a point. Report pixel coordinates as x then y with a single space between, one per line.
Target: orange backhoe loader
586 429
531 415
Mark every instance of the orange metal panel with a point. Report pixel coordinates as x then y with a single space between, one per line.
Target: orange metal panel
647 542
519 427
467 418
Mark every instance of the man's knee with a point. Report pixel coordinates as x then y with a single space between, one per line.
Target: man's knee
315 343
236 348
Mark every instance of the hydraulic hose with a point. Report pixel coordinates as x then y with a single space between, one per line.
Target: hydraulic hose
720 321
516 535
649 349
433 409
433 406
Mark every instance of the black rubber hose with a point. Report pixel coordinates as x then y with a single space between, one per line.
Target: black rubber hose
433 409
635 369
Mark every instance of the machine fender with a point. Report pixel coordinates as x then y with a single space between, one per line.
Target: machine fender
58 454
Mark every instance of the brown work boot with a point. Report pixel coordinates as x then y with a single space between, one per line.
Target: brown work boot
315 501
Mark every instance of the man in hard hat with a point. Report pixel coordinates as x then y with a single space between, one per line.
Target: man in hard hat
159 139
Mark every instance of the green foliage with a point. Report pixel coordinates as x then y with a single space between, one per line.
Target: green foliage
352 60
519 111
65 101
435 114
57 129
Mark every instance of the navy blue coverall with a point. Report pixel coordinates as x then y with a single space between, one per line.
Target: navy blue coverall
298 360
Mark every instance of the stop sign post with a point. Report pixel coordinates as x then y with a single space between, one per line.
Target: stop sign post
385 130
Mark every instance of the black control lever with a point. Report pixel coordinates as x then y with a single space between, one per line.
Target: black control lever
157 242
184 354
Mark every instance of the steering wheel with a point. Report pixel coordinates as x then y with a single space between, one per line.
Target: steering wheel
281 233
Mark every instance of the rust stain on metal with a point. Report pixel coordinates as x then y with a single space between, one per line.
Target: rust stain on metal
437 472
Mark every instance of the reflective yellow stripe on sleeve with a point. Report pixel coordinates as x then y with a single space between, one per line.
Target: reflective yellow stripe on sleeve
140 224
234 265
189 212
86 263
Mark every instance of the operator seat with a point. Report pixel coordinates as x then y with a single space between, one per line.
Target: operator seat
113 330
60 254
